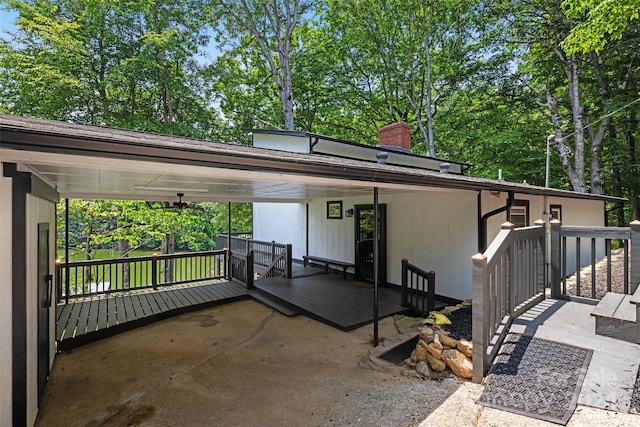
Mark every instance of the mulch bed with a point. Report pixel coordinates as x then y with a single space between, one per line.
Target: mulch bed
460 327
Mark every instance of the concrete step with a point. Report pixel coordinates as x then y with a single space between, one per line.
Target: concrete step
617 317
274 302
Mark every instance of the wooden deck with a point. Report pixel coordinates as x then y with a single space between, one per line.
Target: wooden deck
87 320
328 298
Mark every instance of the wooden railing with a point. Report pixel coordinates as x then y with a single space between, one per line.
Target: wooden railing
275 259
508 279
94 277
599 241
418 292
241 267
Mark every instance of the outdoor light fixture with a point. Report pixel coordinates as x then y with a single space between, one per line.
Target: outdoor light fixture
348 213
172 189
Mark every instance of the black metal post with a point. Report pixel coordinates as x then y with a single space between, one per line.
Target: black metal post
228 259
376 265
403 293
67 279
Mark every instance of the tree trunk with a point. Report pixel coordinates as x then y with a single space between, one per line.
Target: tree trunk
563 151
578 131
123 252
168 247
429 101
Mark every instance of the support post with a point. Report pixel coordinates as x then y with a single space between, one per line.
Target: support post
249 269
480 321
154 271
67 279
634 237
556 227
227 264
289 265
403 291
376 265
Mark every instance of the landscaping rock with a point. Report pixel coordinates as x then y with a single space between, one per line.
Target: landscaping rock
435 351
466 347
447 341
423 369
458 363
436 364
422 349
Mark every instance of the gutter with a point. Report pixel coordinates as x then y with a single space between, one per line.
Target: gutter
482 221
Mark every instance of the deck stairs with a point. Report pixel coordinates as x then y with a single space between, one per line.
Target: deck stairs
618 316
276 303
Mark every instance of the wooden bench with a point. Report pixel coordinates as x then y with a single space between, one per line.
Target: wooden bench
327 262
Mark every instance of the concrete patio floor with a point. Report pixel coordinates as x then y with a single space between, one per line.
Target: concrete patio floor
607 388
238 364
242 364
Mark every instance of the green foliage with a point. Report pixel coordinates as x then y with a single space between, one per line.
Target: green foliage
599 21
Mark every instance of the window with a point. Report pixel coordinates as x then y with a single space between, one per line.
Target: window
555 212
519 213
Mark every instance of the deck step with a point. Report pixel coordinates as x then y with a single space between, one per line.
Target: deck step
616 317
610 305
274 302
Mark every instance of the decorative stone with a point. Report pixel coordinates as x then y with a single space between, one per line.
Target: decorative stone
435 351
436 342
447 341
436 364
458 362
426 333
423 369
467 303
413 357
421 351
466 347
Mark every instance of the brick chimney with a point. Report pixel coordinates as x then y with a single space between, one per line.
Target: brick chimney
396 136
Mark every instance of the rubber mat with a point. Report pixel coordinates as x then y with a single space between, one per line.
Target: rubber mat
399 353
536 378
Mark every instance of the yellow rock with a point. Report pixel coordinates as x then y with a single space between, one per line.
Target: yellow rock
437 319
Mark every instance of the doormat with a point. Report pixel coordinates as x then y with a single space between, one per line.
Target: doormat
399 353
536 378
361 284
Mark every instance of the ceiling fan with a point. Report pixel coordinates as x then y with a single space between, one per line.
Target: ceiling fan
179 205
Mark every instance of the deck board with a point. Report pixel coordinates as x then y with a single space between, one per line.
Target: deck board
333 300
84 321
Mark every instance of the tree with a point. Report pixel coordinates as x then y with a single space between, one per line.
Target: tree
271 25
603 20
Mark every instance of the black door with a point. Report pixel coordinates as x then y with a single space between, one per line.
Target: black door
364 242
44 303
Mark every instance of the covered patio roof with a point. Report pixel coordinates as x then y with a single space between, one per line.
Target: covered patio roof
94 162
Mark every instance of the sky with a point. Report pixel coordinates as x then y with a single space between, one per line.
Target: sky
6 21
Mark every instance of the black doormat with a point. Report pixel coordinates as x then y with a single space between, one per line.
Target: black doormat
536 378
399 353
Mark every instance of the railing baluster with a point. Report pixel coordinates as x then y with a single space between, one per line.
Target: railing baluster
593 268
626 267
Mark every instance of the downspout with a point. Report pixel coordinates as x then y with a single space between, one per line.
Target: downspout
483 220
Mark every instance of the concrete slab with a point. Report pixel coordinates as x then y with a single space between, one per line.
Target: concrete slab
612 372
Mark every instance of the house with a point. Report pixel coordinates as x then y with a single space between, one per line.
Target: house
437 219
433 214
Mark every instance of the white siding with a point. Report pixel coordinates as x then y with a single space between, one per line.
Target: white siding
293 144
6 343
433 230
282 223
38 211
574 212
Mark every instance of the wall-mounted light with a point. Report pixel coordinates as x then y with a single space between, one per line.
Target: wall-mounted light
494 193
348 213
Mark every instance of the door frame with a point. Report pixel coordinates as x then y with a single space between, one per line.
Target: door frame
382 253
45 292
